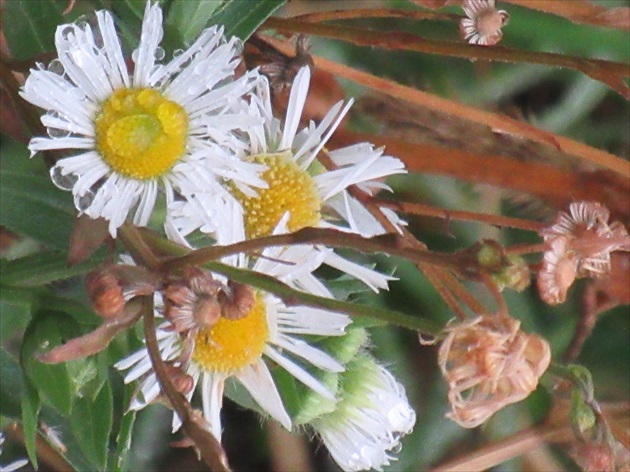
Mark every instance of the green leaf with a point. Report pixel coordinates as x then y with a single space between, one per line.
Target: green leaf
11 385
123 441
91 423
186 20
31 405
243 18
16 307
29 26
47 330
42 268
30 205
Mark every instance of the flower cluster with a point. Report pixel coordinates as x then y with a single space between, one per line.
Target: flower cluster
199 137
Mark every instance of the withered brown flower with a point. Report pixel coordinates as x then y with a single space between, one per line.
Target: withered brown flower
489 363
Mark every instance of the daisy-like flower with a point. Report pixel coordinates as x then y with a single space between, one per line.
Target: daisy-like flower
13 465
372 415
484 22
237 347
489 363
156 127
297 184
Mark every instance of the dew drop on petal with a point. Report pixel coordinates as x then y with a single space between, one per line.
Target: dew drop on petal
64 182
56 67
57 133
159 54
67 31
178 52
194 89
238 46
135 54
83 202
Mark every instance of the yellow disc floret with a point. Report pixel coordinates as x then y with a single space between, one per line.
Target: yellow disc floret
140 134
290 189
230 345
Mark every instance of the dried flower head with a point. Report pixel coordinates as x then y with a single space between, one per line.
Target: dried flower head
558 272
110 287
489 363
192 302
484 22
590 236
580 243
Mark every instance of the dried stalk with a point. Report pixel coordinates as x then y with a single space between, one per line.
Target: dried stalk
498 123
607 72
355 13
206 444
581 11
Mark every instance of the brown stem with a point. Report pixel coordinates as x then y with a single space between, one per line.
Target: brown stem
498 123
581 11
192 422
387 244
605 71
421 209
137 247
355 13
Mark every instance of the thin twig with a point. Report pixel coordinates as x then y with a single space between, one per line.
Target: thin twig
388 244
498 123
421 209
356 13
206 444
598 69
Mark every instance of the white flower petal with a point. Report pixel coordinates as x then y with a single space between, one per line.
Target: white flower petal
257 379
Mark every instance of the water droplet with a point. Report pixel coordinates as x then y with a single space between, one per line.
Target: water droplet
194 89
238 46
53 114
397 448
56 67
201 69
64 182
135 54
67 31
57 133
84 202
178 52
159 54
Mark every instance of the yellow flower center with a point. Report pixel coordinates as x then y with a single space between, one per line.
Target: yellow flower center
230 345
140 134
290 189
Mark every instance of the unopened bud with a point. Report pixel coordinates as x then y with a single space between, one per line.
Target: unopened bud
105 293
182 382
110 287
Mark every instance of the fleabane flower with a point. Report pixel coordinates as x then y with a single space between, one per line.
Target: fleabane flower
484 22
157 127
372 415
236 347
298 185
15 465
489 363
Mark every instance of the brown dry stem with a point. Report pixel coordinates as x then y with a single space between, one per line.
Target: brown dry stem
608 72
497 122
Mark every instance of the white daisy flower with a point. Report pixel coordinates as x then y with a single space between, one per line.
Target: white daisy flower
372 415
236 348
484 22
157 127
13 465
298 185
